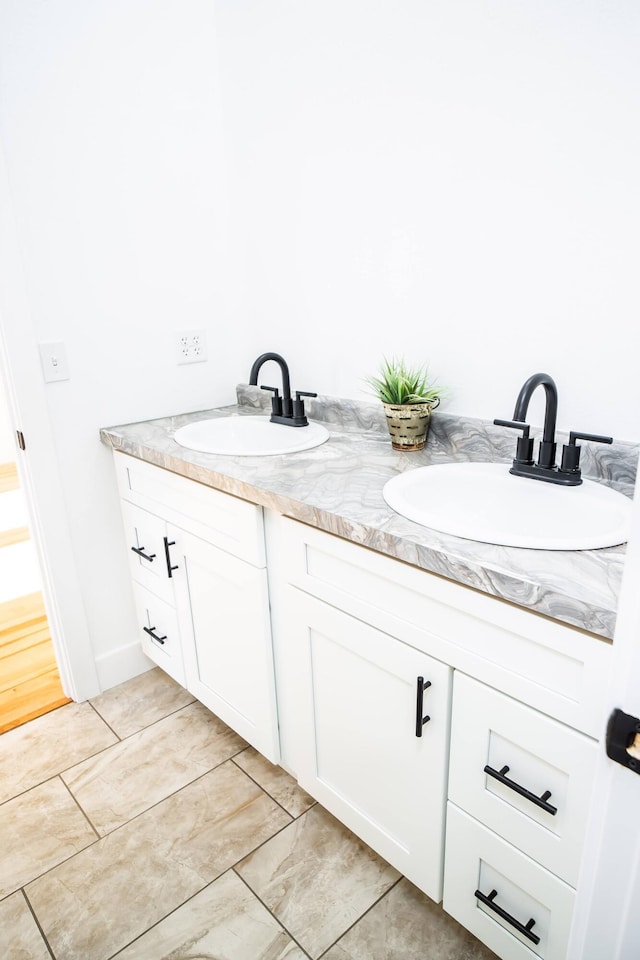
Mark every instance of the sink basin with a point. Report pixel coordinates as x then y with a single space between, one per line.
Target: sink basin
483 501
249 437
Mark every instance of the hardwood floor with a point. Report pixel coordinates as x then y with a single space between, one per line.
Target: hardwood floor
17 535
29 679
8 477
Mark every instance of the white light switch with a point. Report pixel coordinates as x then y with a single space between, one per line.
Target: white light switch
53 357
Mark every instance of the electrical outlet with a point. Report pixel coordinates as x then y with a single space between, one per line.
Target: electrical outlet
191 346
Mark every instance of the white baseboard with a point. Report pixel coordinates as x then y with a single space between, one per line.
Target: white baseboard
122 664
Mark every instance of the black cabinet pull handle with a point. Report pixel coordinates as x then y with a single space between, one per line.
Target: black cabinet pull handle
525 930
167 555
422 685
539 801
154 636
145 556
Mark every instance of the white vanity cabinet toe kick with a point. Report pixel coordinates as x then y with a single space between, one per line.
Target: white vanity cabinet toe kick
199 574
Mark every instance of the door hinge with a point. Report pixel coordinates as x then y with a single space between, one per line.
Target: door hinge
21 443
623 740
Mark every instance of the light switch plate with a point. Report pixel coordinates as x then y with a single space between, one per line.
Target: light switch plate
53 358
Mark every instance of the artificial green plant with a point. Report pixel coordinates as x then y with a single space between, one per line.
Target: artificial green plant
399 383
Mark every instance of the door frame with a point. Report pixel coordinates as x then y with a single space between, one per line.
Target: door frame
38 466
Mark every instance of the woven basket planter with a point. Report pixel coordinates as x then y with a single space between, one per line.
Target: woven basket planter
409 424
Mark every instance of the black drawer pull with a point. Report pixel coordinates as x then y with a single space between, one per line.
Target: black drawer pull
422 685
145 556
167 555
520 927
539 801
154 636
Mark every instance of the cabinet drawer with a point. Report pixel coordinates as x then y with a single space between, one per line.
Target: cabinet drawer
556 669
478 861
542 756
219 518
159 632
147 545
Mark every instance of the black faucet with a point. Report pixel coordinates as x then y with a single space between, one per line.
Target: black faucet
568 473
283 408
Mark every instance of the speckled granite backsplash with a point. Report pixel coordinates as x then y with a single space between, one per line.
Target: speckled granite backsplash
337 487
464 438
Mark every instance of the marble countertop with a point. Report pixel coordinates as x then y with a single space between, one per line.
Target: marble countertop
337 487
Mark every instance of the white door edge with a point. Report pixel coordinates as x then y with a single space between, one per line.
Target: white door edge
605 920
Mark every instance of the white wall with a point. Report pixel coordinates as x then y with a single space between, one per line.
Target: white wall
455 180
109 123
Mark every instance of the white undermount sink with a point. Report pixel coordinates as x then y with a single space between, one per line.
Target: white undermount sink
483 501
249 437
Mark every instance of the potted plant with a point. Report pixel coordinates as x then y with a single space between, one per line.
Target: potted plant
408 398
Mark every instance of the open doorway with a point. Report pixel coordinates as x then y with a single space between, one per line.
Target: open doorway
23 392
29 678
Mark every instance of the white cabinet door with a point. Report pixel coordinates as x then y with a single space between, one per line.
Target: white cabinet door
362 757
223 614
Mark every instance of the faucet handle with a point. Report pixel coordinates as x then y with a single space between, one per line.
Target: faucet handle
276 401
516 424
571 451
524 447
298 407
595 437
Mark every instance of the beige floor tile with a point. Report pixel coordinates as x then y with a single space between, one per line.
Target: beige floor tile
21 939
317 878
225 921
42 748
38 830
134 774
98 902
275 781
407 924
139 702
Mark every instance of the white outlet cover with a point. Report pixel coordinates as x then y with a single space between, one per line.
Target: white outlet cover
190 346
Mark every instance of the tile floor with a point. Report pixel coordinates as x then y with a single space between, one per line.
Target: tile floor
139 827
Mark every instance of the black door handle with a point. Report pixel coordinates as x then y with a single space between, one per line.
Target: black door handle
499 775
524 929
154 636
145 556
421 686
167 555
